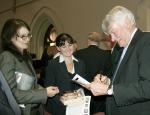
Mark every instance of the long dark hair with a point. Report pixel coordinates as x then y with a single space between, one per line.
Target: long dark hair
9 30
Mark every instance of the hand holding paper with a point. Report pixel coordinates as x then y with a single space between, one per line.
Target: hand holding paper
80 80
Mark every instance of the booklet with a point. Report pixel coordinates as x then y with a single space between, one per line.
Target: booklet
80 80
75 97
82 108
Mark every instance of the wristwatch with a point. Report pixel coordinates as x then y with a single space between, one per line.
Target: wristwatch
110 90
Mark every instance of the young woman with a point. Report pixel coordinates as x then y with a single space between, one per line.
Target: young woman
60 72
15 64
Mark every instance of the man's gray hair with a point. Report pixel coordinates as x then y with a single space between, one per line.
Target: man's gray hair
118 15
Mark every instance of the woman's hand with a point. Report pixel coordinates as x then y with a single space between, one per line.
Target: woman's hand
52 91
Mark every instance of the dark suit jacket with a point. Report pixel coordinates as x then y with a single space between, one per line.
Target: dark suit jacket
96 60
115 56
132 82
57 75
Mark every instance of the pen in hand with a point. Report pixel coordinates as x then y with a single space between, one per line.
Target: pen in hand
101 74
103 78
97 78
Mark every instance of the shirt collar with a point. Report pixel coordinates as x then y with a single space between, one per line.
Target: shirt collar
61 58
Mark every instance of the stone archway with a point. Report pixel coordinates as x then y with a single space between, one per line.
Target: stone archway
41 21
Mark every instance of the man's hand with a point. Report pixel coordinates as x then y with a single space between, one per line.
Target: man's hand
98 88
101 79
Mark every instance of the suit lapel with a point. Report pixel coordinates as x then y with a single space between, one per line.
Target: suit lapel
63 70
136 37
76 67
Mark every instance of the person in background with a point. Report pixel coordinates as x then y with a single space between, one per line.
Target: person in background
128 89
96 60
48 53
60 72
16 66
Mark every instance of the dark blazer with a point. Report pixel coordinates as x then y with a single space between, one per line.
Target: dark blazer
96 60
57 75
132 82
115 56
9 64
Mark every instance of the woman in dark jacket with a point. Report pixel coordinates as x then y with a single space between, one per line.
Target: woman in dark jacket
60 72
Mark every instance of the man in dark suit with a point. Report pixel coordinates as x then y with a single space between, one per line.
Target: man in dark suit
128 90
96 60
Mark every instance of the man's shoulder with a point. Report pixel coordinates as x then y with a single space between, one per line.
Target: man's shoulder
80 52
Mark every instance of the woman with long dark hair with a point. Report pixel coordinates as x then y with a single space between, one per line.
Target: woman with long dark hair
16 66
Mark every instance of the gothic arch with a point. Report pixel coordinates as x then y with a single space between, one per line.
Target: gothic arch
42 19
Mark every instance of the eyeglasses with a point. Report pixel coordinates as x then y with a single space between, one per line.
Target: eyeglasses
24 37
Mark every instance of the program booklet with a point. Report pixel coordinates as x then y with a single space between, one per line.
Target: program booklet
76 102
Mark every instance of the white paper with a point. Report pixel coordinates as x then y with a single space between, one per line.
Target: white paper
80 80
80 109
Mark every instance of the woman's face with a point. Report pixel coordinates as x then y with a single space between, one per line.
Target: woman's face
66 50
22 38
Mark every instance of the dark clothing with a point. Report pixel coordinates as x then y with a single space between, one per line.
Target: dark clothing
57 75
5 108
96 61
115 56
132 81
47 55
7 99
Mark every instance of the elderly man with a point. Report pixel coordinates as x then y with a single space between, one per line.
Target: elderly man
128 89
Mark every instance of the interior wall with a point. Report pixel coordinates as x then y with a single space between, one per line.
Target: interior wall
39 26
76 17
